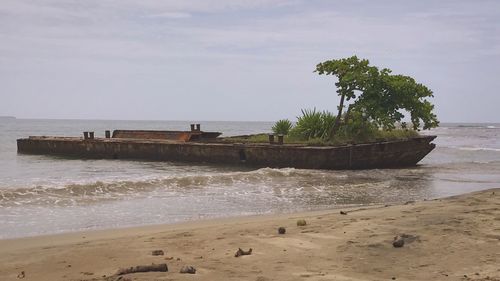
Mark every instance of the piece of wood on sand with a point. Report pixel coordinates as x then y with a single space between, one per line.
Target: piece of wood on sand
162 267
241 252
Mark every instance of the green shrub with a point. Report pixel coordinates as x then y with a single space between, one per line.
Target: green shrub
313 125
282 127
308 125
396 134
257 138
327 120
357 128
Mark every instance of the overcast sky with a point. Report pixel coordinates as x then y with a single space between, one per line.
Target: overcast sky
237 60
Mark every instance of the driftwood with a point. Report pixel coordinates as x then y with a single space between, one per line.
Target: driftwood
240 252
402 239
157 253
143 268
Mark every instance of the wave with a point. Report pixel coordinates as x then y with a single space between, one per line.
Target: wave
484 153
478 148
478 126
97 191
462 180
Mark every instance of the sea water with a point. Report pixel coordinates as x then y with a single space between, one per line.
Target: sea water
45 194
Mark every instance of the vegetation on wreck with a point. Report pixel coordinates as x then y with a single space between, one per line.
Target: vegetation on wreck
282 127
340 139
373 104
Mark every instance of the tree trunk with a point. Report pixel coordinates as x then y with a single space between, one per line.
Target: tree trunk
337 119
347 115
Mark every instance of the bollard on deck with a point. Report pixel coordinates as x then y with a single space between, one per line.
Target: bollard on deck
271 138
280 139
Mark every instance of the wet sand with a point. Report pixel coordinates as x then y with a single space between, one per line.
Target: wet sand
456 238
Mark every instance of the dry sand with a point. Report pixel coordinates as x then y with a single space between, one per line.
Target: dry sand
458 239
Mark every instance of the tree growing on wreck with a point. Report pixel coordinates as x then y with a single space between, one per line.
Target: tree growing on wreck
377 95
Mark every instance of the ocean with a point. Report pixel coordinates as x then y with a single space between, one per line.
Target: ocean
46 195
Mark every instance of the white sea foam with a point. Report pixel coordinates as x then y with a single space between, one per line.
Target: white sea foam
479 149
68 194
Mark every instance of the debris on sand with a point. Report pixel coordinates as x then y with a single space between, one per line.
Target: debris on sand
301 222
157 253
240 252
281 230
188 269
402 239
162 267
398 242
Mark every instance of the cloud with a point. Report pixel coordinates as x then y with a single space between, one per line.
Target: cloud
261 28
171 15
266 40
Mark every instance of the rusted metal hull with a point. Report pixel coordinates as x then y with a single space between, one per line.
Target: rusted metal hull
193 135
390 154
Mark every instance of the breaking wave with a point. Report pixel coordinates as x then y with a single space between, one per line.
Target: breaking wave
472 126
102 190
479 149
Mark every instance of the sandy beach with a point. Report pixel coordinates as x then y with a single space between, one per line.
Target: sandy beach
456 238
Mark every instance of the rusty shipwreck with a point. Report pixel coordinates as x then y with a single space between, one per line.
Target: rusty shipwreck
207 147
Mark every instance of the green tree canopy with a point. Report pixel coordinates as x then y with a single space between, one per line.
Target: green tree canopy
378 95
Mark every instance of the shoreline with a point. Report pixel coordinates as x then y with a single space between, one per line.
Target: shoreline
197 221
152 228
455 237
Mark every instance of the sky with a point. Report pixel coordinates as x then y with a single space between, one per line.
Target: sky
241 60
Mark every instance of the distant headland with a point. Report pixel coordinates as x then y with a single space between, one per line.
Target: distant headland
7 117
